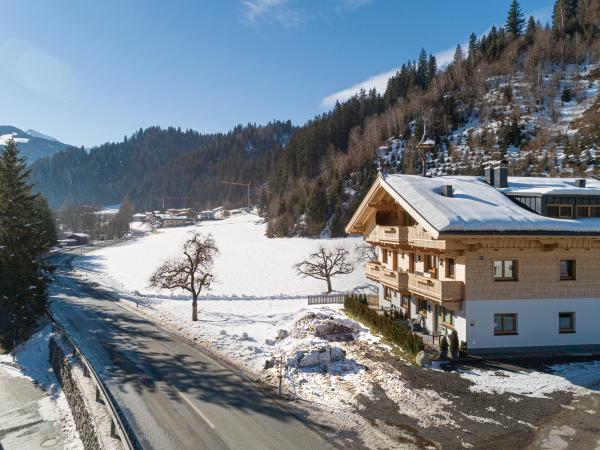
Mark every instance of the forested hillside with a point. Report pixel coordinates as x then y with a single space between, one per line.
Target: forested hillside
525 91
156 163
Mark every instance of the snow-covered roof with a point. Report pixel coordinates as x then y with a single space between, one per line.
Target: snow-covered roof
82 235
475 207
551 186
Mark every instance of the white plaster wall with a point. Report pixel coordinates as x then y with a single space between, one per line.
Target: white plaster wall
537 322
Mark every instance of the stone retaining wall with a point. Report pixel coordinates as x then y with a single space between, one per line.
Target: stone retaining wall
83 419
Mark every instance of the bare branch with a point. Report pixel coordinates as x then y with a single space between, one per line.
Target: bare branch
325 263
191 272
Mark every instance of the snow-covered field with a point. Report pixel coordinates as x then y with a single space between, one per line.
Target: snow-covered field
32 363
249 264
256 293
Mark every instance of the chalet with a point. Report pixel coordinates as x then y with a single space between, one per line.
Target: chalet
78 238
511 264
206 215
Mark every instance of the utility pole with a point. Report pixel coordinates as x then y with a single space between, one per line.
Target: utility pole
239 184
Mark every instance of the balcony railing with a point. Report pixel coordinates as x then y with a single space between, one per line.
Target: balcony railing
388 234
391 278
441 290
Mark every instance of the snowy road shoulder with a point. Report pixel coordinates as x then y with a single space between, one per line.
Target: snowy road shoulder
31 399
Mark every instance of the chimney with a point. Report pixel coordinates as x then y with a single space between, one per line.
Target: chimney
580 182
496 173
489 174
501 174
447 190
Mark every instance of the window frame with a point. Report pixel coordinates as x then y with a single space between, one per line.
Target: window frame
515 270
448 265
573 275
560 215
387 293
503 332
593 211
570 330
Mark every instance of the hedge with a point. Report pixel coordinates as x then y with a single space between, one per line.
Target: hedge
403 337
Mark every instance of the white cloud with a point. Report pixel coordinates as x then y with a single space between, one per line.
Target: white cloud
443 57
253 12
36 69
380 80
292 13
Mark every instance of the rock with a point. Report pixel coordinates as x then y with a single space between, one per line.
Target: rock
269 342
223 333
244 336
282 334
422 359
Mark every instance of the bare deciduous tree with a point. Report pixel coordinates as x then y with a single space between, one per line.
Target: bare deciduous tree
192 271
365 252
325 263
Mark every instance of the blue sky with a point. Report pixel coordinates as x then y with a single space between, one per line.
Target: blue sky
87 72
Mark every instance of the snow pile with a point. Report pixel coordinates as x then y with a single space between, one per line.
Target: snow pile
331 327
32 362
574 377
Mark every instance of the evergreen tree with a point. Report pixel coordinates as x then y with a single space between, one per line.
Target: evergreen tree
473 44
564 19
316 208
26 232
431 68
515 20
422 69
531 27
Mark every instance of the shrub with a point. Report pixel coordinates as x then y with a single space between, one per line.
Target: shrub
443 344
404 338
454 342
462 349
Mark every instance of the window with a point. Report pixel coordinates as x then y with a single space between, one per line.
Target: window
505 323
584 211
430 263
450 268
422 306
384 256
448 316
387 293
405 301
567 269
505 270
566 322
560 211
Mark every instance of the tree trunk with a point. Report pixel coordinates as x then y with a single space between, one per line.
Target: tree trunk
329 285
195 309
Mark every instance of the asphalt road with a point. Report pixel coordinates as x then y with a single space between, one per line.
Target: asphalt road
174 395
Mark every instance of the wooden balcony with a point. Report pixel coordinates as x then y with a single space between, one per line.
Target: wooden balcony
383 234
440 290
413 236
391 278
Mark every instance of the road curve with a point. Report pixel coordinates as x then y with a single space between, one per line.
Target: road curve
173 395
